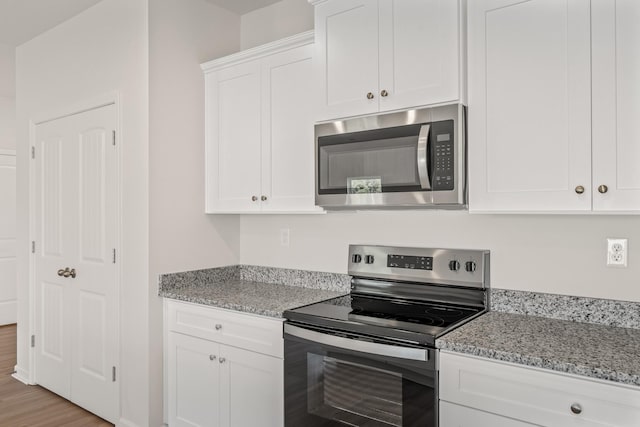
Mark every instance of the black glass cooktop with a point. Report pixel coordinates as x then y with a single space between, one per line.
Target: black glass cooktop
381 316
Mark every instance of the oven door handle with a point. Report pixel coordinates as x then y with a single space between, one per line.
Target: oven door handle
421 157
367 347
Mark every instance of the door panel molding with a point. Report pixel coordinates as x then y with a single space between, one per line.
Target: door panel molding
101 141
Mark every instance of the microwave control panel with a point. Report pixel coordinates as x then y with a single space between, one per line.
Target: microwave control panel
442 155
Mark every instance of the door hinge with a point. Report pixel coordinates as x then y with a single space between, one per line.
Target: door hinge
113 137
33 340
33 152
114 256
113 374
33 246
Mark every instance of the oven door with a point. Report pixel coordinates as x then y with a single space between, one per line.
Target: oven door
338 380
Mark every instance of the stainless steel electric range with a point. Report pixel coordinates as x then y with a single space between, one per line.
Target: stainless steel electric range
368 359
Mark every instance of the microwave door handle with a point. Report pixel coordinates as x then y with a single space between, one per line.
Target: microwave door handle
423 145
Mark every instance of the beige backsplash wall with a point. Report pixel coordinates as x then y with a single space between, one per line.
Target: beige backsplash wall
562 254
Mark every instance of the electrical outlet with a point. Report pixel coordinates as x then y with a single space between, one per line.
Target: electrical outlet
616 252
284 237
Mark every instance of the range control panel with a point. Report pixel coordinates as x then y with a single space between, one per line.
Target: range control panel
460 267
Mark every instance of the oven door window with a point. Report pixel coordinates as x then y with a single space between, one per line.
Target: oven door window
325 386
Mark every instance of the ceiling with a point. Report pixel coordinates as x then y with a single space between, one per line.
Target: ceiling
242 6
19 23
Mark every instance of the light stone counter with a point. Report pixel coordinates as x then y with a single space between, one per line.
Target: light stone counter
592 350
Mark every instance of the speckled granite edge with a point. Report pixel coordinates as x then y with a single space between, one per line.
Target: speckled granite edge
586 349
280 276
624 314
539 362
300 278
184 279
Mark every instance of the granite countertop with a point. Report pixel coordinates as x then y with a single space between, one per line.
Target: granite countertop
266 299
592 350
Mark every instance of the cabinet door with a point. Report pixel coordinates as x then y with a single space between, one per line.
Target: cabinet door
287 126
193 388
616 104
452 415
346 58
251 389
233 148
529 105
419 52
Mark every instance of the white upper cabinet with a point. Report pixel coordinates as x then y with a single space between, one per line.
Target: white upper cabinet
616 104
529 105
259 129
553 90
382 55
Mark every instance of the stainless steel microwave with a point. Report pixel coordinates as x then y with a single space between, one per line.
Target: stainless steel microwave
409 159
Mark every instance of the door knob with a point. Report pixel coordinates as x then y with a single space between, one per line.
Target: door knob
384 93
369 95
263 198
576 408
254 198
603 189
579 189
67 273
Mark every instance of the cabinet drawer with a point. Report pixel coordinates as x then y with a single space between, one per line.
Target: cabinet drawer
252 332
536 396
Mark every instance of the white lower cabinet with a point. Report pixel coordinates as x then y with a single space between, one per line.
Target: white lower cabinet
452 415
485 393
213 384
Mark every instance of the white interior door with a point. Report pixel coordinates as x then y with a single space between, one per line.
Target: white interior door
7 237
76 229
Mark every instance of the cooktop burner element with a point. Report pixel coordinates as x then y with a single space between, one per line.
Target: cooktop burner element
407 311
408 294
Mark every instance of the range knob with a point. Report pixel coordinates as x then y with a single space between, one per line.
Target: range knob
470 266
356 258
368 259
454 265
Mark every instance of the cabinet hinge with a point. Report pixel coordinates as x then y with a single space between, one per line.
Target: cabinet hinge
33 246
113 374
114 256
113 137
33 340
33 152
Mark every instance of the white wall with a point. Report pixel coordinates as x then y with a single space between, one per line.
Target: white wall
562 254
182 237
101 50
276 21
7 97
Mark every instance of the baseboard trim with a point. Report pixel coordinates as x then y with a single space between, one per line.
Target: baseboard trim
21 375
126 423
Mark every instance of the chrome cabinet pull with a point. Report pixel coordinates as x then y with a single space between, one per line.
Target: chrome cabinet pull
222 360
369 95
218 327
579 189
603 189
576 408
212 357
254 198
263 198
384 93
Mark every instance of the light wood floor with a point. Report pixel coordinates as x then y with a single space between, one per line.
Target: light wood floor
33 406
